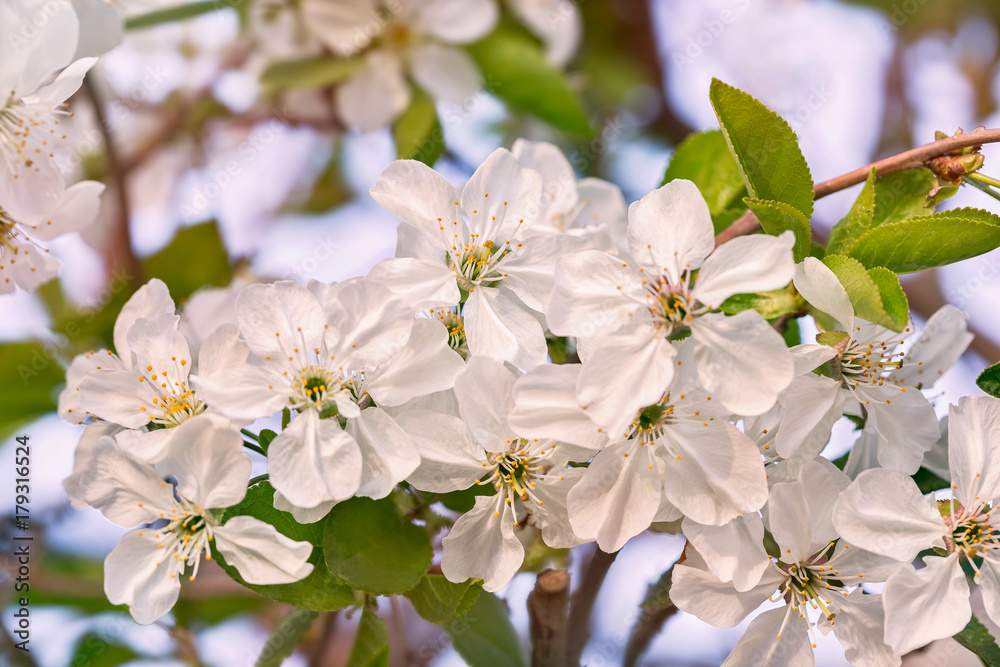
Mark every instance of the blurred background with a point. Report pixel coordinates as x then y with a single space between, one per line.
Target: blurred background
168 112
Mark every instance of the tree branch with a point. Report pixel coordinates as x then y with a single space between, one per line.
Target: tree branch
911 159
548 610
582 603
646 628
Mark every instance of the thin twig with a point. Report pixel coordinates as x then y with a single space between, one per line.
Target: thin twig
548 613
645 630
319 656
582 603
911 159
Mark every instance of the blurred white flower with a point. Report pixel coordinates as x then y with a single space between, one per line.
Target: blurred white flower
557 23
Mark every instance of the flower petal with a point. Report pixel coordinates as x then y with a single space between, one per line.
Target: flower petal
927 604
482 545
137 573
820 287
375 95
446 72
745 265
670 230
260 553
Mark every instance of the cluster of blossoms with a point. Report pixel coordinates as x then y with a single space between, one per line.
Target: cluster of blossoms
432 370
39 71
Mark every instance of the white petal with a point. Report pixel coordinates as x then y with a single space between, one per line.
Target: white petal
422 283
945 337
670 230
222 349
790 521
810 356
713 473
314 460
387 452
617 497
623 375
422 198
927 604
695 590
559 196
812 404
501 198
734 551
762 645
820 287
79 208
458 21
594 294
150 300
482 545
546 407
499 326
211 468
426 365
905 423
137 573
279 317
741 360
149 446
530 272
883 511
557 22
446 72
303 514
371 325
745 265
41 39
246 392
260 553
974 458
553 518
988 580
860 627
375 95
484 393
604 211
450 460
345 26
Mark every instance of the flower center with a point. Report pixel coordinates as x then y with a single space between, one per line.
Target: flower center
185 538
455 325
672 306
476 264
813 583
870 362
176 402
516 471
28 135
972 534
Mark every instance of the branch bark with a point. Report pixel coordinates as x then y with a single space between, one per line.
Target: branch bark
582 603
548 613
911 159
646 628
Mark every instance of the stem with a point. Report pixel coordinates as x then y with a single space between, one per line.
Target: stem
911 159
548 609
582 603
286 636
646 628
250 434
323 646
981 185
256 448
257 480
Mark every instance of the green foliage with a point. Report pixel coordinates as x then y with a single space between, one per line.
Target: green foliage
978 639
857 221
929 482
484 636
765 149
902 195
776 217
28 377
516 70
371 643
310 72
286 635
875 294
704 159
370 547
329 190
560 348
928 241
464 500
265 438
417 133
658 594
95 651
170 14
320 591
194 259
989 380
437 600
769 304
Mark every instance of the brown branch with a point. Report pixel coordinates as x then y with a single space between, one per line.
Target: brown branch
911 159
582 603
548 610
646 628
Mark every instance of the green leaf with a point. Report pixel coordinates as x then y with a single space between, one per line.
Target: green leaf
329 190
371 642
320 591
875 294
29 376
765 148
517 71
371 548
465 499
857 221
658 594
437 600
776 217
265 438
989 380
929 241
704 159
769 304
484 635
902 195
311 72
287 634
417 133
178 13
94 651
929 482
978 639
195 258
